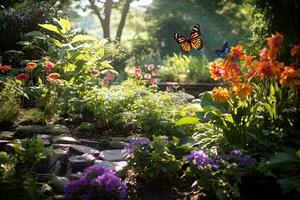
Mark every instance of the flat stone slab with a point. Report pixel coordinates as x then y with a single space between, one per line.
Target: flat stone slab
7 134
61 146
30 130
117 144
81 159
112 155
65 140
81 149
117 166
89 142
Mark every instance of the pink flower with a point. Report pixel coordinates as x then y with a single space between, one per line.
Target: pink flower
48 67
154 73
150 67
147 76
264 54
153 81
22 77
169 88
110 76
138 73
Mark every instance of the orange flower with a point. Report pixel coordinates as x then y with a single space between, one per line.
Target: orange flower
270 68
216 71
220 94
242 89
248 61
236 53
30 66
54 76
295 51
264 54
275 41
290 77
5 68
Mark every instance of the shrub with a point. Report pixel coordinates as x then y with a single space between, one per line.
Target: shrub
152 160
182 68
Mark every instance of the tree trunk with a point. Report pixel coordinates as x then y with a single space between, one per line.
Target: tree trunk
123 19
105 22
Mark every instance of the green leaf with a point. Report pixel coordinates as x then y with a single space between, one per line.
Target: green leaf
284 157
56 42
38 34
81 38
65 24
50 27
206 100
187 120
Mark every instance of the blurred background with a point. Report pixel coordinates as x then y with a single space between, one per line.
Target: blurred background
138 31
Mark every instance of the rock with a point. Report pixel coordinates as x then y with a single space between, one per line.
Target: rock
10 148
91 143
196 101
112 155
80 149
79 162
7 134
124 139
59 197
59 183
30 130
64 140
117 166
3 143
104 143
59 161
45 138
61 146
117 144
47 190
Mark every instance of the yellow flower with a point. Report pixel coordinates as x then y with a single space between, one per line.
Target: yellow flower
220 94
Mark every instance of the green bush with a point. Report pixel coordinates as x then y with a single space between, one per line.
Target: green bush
10 96
182 68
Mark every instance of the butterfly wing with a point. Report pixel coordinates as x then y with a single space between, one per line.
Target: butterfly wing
225 48
220 53
195 40
184 44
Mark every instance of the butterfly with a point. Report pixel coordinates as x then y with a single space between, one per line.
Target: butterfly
225 50
193 40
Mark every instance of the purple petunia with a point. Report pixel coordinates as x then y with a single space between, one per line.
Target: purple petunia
236 152
110 183
199 158
128 149
101 177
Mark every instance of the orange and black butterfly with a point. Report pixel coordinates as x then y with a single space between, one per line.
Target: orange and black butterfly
193 41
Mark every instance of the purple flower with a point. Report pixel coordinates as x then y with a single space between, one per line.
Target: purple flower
95 170
75 186
199 158
236 152
88 195
247 161
111 183
128 149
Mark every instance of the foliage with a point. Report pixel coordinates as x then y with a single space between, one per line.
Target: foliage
15 23
96 182
20 178
10 95
220 174
182 68
153 160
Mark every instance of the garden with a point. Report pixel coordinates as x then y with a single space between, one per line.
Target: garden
149 99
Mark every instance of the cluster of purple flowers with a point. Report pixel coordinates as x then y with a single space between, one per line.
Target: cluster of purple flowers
202 160
128 149
95 179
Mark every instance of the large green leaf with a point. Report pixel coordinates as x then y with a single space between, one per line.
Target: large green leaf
81 38
65 24
187 120
284 157
50 27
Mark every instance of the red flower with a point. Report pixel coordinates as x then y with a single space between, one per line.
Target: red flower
95 72
5 68
54 75
22 77
275 41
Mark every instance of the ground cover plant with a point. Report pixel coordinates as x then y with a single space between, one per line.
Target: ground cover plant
84 116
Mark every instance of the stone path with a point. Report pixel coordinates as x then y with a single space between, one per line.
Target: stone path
70 155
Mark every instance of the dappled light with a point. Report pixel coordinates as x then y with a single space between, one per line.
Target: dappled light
149 99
